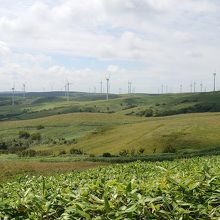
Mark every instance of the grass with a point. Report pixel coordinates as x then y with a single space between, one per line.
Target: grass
68 125
184 133
97 133
13 167
47 104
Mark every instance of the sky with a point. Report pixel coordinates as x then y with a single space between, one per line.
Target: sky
150 43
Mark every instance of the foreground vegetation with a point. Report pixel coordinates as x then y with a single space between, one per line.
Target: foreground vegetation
182 189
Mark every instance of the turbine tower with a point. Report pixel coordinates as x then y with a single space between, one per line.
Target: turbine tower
13 96
119 91
191 88
129 87
201 87
181 88
101 87
107 88
194 87
67 88
214 74
24 92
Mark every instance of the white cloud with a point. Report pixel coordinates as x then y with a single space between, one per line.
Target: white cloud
4 49
169 38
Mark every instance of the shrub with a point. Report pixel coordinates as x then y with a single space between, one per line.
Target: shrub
132 152
39 127
123 153
27 153
148 113
43 153
35 136
141 150
169 149
24 134
107 154
73 141
76 151
3 145
62 152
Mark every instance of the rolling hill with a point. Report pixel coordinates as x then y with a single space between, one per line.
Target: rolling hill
38 105
156 123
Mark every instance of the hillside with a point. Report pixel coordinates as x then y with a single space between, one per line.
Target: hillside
125 124
97 133
38 105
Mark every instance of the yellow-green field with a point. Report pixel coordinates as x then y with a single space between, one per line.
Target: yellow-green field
97 133
13 167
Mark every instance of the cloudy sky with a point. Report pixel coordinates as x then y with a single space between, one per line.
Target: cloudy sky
149 42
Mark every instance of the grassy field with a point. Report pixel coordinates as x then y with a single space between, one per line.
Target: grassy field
182 189
13 167
182 132
97 133
47 104
50 184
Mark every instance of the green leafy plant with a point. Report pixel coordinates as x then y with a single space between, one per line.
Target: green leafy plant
181 189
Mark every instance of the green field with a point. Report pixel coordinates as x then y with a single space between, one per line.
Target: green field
124 123
46 142
182 189
97 133
47 104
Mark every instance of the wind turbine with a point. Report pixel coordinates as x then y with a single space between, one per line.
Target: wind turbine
191 87
214 74
13 95
119 91
181 88
101 87
107 90
201 87
107 87
24 90
129 87
67 89
166 88
194 87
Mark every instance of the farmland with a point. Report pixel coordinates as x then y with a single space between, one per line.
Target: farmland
182 189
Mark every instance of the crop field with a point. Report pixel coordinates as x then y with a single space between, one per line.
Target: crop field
182 189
